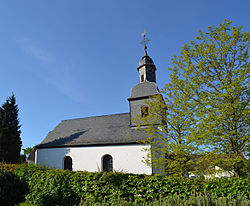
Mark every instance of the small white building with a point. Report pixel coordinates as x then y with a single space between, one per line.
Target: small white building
104 143
219 173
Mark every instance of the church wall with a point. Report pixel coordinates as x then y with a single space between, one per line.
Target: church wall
126 158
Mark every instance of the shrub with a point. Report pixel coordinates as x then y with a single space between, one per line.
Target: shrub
48 186
26 171
221 187
69 188
12 189
10 167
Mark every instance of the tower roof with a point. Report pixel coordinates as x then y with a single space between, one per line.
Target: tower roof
144 89
145 60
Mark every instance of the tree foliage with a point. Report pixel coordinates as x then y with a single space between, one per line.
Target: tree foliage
27 151
208 102
169 133
10 141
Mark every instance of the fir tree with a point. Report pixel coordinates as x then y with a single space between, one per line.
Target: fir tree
10 141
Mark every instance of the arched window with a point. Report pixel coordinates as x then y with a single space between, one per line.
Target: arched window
142 78
144 111
67 163
107 163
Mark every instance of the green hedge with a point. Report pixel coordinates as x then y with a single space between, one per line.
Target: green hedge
58 187
10 167
12 189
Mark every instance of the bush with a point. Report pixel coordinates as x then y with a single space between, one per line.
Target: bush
10 167
222 187
59 187
12 189
48 186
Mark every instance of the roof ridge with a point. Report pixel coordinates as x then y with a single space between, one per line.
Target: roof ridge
96 116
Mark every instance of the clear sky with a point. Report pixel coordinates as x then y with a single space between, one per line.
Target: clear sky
66 59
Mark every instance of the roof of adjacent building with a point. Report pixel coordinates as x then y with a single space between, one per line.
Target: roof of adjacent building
97 130
144 89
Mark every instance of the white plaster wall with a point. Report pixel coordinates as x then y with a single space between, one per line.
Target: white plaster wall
142 70
126 158
220 173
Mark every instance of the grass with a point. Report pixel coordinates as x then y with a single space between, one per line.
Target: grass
175 200
193 200
25 204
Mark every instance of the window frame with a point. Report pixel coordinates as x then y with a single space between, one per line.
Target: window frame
142 78
65 166
144 111
107 164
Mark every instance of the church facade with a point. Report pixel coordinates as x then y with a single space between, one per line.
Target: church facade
104 143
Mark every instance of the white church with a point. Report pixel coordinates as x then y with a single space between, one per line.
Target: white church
104 143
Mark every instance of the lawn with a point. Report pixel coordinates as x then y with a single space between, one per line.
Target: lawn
25 204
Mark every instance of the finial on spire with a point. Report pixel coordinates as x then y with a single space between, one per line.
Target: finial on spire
145 42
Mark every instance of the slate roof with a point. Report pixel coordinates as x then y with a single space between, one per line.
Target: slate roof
144 89
98 130
146 60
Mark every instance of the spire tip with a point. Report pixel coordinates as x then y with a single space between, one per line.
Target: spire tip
145 41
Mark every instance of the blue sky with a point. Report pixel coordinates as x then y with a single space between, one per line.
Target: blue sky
71 59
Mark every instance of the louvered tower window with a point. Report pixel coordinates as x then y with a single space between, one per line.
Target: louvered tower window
142 78
144 111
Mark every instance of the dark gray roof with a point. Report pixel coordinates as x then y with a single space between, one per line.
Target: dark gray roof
144 89
146 60
98 130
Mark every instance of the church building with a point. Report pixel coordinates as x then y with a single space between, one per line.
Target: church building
104 143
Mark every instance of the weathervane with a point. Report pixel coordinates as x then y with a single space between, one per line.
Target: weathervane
145 42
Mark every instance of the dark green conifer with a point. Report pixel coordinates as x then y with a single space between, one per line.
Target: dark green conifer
10 141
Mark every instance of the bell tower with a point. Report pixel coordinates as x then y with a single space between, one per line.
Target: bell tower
146 67
145 89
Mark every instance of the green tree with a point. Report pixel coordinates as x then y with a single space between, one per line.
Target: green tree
217 69
10 141
27 151
208 101
170 123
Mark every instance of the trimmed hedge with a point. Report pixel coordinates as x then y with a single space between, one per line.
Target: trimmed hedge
12 189
58 187
10 167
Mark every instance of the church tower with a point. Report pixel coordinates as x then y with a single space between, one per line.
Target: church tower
146 68
145 89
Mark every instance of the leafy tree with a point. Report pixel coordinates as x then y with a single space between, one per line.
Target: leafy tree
170 125
10 141
208 101
27 151
217 69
